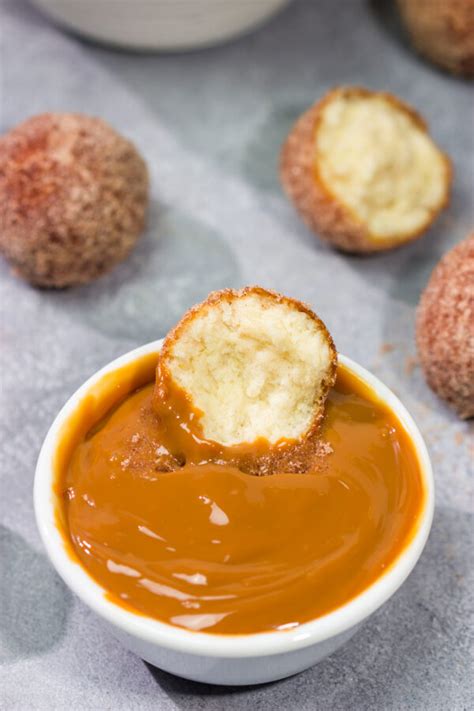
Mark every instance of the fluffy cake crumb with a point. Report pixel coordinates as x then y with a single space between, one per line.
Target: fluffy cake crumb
254 364
363 172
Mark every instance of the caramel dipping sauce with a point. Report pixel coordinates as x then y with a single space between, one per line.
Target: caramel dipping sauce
212 549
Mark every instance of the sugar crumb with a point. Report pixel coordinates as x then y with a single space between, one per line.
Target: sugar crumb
411 362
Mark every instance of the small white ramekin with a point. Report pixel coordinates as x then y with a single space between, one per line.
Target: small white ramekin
226 659
160 24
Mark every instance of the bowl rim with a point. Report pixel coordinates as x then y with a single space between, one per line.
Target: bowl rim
174 638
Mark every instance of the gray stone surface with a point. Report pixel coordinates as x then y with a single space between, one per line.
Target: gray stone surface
210 124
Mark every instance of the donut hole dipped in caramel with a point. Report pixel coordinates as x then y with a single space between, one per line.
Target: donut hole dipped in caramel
209 548
363 172
243 378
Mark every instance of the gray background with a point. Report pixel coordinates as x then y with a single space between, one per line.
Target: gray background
210 124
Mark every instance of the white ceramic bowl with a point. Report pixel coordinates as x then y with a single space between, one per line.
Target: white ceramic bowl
160 24
226 659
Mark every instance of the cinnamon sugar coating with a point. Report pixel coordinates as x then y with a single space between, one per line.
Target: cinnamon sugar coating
445 329
443 31
73 198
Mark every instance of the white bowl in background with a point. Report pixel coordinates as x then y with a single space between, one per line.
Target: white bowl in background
226 659
160 24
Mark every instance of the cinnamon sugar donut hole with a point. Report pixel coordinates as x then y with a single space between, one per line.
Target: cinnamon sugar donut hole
442 31
445 329
363 172
73 198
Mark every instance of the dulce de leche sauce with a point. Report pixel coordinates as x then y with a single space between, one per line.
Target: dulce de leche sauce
210 548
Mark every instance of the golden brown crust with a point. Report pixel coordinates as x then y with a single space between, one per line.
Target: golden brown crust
292 458
320 209
73 198
442 31
445 328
